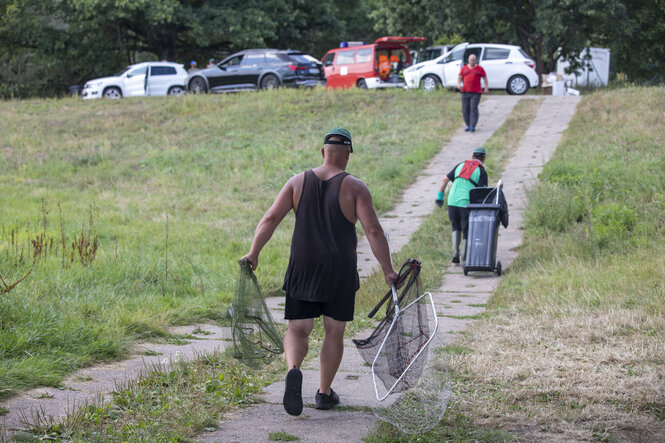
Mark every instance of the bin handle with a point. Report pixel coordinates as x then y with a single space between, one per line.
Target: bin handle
499 186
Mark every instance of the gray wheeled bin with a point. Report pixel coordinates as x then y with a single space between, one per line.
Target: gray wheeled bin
487 209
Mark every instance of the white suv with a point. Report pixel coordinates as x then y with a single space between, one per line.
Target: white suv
148 78
507 67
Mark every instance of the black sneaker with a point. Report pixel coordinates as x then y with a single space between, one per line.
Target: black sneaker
293 392
456 259
324 401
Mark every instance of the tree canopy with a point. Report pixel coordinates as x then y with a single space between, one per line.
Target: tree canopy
47 46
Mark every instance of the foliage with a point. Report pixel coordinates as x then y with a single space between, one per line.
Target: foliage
47 46
545 29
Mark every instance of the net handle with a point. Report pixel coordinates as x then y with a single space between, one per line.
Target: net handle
423 347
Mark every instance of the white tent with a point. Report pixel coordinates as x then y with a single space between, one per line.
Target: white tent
595 69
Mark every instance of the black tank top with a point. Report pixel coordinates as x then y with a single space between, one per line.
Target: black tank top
323 260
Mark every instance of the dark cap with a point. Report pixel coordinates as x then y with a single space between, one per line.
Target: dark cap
479 152
341 133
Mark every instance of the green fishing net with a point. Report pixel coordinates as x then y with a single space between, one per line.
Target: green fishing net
256 341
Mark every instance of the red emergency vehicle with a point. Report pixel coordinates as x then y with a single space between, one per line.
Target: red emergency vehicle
368 66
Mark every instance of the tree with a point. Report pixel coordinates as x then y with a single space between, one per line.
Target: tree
545 29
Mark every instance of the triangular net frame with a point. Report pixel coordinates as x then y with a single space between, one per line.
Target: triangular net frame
412 390
256 341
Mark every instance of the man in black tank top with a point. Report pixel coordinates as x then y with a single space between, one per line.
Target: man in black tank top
322 275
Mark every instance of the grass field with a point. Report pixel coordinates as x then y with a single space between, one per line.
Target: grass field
572 347
145 409
131 215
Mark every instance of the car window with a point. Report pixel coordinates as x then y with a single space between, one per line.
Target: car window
496 54
328 60
254 59
234 61
138 71
524 54
121 72
364 55
470 51
345 57
162 70
305 59
272 58
454 56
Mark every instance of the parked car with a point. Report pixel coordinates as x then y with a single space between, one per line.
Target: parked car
375 65
148 78
507 67
253 69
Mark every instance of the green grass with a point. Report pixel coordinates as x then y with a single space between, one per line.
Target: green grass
164 405
175 188
282 436
571 345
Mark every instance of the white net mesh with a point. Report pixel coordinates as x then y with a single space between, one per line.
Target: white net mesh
414 388
420 407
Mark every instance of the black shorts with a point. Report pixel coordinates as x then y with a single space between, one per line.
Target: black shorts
341 309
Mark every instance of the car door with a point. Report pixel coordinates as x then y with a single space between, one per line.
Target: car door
496 63
452 64
134 82
225 74
159 79
329 69
250 69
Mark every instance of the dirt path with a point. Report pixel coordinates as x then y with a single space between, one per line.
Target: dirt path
455 297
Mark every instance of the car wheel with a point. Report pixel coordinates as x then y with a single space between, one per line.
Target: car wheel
176 90
430 83
362 84
112 92
517 85
197 85
269 82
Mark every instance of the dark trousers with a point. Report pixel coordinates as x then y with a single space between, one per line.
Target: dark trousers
459 219
470 102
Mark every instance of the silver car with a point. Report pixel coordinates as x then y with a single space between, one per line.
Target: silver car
508 67
141 79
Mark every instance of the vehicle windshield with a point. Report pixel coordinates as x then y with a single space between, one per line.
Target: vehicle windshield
122 72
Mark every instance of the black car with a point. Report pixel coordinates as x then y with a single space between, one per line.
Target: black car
258 69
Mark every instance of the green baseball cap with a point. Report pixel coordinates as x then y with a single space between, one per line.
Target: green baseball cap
479 151
341 133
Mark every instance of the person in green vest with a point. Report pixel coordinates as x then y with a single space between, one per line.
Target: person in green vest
465 176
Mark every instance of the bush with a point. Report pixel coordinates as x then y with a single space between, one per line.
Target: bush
611 224
554 207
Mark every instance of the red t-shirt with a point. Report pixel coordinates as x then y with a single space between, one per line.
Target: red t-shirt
471 78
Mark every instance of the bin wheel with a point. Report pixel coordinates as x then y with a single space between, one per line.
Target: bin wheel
466 271
498 268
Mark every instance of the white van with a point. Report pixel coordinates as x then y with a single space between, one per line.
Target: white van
508 67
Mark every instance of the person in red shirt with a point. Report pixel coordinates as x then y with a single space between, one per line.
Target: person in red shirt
469 83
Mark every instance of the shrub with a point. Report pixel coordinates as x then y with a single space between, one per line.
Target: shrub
611 224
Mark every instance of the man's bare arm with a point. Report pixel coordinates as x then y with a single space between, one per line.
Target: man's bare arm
374 232
271 219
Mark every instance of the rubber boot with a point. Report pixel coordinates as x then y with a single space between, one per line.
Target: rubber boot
457 235
463 250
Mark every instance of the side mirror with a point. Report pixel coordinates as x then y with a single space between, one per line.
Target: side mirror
328 63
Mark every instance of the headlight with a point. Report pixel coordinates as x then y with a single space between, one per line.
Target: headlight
92 84
418 68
